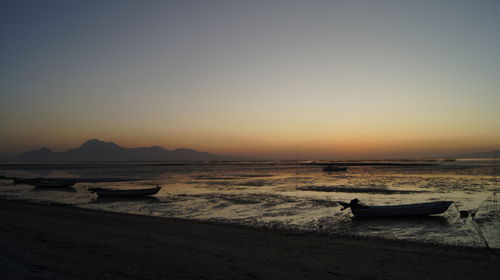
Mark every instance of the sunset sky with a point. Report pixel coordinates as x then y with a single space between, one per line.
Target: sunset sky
272 79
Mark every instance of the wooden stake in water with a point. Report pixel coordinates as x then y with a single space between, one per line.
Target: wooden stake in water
493 169
297 173
495 189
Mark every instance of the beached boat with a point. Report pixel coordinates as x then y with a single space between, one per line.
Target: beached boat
107 192
332 168
404 210
52 184
26 180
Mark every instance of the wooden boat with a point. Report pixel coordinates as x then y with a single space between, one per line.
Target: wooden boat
404 210
332 168
26 180
107 192
52 184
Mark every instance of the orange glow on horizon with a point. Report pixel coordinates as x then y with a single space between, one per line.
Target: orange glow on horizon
309 148
335 80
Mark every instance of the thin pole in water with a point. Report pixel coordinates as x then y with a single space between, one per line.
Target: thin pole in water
494 172
297 173
495 189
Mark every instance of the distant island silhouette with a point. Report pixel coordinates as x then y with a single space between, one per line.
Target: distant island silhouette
96 150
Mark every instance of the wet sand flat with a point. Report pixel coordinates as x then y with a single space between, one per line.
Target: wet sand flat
60 242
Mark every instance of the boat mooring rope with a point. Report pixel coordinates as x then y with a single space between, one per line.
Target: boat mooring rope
475 225
479 231
474 211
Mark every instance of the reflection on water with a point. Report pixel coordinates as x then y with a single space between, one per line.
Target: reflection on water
348 189
285 195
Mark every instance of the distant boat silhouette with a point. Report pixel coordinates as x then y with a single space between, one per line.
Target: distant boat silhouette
107 192
333 168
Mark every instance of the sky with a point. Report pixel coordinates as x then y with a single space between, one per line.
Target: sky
265 79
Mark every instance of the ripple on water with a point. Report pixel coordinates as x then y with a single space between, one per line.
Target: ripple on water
282 196
347 189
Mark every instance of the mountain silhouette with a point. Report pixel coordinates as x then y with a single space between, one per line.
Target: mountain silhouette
96 150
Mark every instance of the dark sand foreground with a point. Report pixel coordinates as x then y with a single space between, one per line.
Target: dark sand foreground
60 242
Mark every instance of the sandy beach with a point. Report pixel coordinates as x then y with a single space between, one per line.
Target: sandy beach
60 242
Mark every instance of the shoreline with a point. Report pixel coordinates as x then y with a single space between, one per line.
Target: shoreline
260 227
128 164
292 230
51 241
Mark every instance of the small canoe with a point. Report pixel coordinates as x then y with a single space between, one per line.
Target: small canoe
107 192
404 210
332 168
52 184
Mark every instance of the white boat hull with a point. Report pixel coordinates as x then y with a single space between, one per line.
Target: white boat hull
407 210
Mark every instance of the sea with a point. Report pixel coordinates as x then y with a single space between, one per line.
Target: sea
287 195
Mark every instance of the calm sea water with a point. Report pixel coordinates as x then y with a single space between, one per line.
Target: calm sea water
286 195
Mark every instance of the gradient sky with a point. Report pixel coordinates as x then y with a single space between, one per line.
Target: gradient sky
320 79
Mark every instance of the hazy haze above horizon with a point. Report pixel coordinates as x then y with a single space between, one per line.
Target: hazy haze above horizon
273 79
